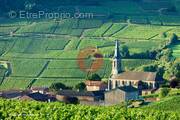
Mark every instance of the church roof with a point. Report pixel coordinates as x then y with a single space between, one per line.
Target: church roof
128 88
144 76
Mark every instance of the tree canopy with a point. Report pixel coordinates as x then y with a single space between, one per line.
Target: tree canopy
94 77
57 86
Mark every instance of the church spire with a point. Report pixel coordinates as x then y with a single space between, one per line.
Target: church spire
116 51
116 61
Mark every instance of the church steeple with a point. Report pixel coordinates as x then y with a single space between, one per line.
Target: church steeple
116 61
116 51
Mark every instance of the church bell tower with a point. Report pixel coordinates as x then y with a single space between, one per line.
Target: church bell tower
116 61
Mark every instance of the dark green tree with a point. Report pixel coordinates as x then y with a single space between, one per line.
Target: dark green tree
125 51
57 86
174 83
173 39
164 92
176 69
94 77
150 68
80 86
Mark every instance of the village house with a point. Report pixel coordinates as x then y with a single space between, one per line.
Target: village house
28 95
42 90
81 95
95 85
121 94
147 91
11 94
120 78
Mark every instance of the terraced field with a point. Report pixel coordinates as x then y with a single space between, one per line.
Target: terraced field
39 27
45 51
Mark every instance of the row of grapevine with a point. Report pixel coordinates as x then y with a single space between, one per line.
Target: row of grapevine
11 109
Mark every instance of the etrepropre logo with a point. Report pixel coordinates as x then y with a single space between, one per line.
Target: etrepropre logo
49 15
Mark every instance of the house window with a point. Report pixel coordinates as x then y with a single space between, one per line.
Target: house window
116 84
130 83
123 82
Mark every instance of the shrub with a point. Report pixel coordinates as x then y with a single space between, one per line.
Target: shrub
81 86
173 39
57 86
164 92
94 77
174 83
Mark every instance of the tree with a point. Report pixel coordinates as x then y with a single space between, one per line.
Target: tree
150 68
177 74
57 86
176 69
174 83
160 73
124 51
165 55
173 39
142 85
94 77
164 92
81 86
163 35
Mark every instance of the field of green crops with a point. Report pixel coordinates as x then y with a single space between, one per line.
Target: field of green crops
15 109
167 104
47 50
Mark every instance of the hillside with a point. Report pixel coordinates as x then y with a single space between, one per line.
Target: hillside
43 51
166 104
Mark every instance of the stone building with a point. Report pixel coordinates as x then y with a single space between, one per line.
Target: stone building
119 78
90 96
42 90
121 94
95 85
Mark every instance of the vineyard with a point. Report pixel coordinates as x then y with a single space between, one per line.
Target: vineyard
26 70
12 109
167 104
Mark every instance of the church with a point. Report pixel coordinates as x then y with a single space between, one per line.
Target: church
121 78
